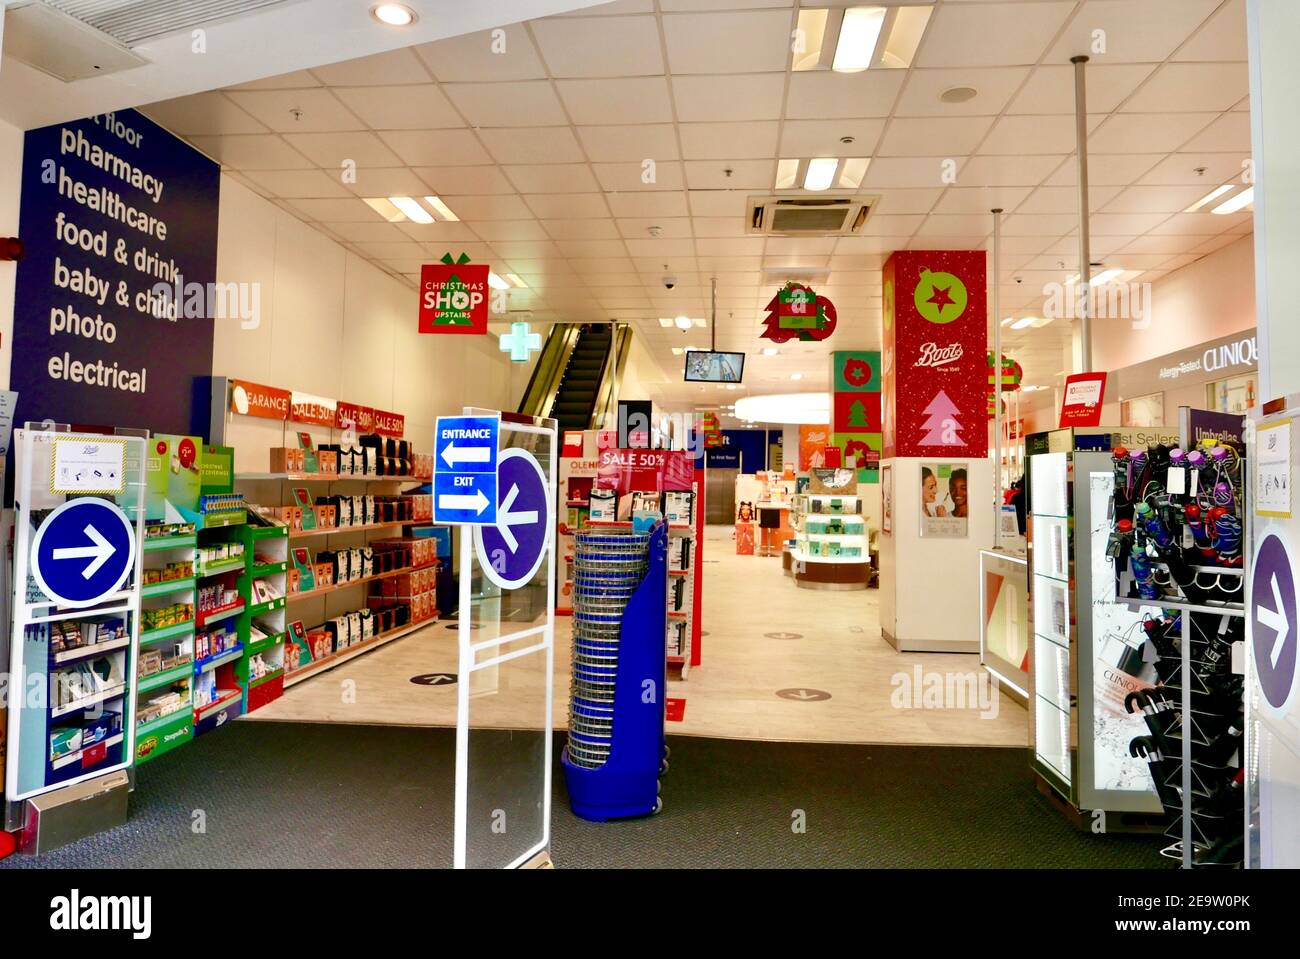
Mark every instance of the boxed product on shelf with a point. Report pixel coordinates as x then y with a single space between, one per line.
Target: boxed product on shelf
287 459
164 616
679 507
64 741
324 575
415 550
86 679
214 642
162 703
98 729
408 584
217 596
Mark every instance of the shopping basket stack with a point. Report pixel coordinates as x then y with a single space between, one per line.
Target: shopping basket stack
616 701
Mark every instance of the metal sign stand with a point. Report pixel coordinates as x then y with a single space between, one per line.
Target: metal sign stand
524 533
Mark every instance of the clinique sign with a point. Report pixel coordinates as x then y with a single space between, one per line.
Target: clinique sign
1221 358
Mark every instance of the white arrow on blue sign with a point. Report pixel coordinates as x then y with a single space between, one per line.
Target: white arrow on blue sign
465 469
83 552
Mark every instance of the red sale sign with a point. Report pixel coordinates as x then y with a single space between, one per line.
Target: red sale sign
1081 405
630 470
454 298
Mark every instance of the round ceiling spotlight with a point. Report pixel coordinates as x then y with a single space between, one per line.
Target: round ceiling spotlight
958 94
683 323
393 14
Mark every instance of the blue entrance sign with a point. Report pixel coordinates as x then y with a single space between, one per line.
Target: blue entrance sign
83 552
465 469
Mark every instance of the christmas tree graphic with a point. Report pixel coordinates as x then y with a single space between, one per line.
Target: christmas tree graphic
858 415
941 423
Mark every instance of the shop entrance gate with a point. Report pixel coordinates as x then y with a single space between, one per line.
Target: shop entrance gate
506 640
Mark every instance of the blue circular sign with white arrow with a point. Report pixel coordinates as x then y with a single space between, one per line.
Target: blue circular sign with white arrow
1274 622
511 551
83 552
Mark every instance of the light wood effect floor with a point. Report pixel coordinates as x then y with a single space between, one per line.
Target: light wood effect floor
731 695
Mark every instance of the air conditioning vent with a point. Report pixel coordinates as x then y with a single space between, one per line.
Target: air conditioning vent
809 215
135 21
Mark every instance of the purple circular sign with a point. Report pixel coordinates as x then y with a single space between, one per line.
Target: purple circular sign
511 552
1273 620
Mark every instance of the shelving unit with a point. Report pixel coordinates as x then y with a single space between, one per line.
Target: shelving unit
167 653
264 588
832 544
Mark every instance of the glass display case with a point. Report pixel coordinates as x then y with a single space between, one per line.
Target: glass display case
832 545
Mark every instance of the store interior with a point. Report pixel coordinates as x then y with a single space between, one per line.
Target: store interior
755 290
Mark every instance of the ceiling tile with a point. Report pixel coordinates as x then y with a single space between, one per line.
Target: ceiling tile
1065 199
561 205
525 249
910 201
1155 132
590 249
1121 224
533 145
332 150
492 230
505 53
374 232
630 100
1180 169
521 103
211 114
821 138
980 200
490 207
284 81
1038 224
667 248
552 178
1143 32
251 151
669 227
916 171
753 96
436 147
716 226
387 181
1050 88
1222 37
1191 87
998 34
400 66
293 184
400 108
1231 131
648 204
1021 135
728 141
350 210
1165 245
584 266
993 86
1155 199
296 111
730 174
1105 169
632 142
884 224
740 42
920 136
1204 224
600 46
647 176
729 246
718 203
1007 171
588 229
818 95
465 179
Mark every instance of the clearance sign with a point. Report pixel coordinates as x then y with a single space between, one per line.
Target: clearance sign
454 296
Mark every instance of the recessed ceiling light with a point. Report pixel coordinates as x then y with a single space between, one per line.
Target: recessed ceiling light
443 210
770 351
1211 196
666 322
409 206
1104 277
683 323
852 171
796 376
1023 322
384 207
497 283
859 34
812 33
958 95
1008 321
905 36
393 14
515 281
787 174
821 173
1239 202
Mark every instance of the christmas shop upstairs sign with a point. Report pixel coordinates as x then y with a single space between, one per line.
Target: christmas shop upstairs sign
935 357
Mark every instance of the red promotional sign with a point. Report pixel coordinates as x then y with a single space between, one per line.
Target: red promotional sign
1081 405
390 424
253 399
936 354
454 298
359 418
305 408
626 471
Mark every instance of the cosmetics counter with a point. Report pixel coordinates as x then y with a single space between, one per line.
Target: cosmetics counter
1135 574
831 548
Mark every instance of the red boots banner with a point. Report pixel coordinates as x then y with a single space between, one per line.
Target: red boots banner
936 354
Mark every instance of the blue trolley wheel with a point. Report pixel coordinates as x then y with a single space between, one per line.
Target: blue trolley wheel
659 806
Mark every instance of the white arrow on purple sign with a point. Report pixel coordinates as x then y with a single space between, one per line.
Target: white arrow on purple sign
511 552
1273 621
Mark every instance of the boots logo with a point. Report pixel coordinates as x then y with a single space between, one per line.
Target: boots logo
932 354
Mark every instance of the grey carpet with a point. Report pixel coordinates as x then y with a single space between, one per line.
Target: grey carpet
336 796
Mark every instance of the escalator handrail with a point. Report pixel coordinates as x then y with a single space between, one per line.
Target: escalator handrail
544 383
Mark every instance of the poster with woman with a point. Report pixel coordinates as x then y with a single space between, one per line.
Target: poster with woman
887 498
945 505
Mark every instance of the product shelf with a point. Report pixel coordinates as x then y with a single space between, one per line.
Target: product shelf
167 588
333 530
116 692
72 757
85 652
143 729
201 712
216 569
225 656
262 645
206 618
268 569
154 680
335 659
322 591
270 606
274 674
151 636
221 520
162 543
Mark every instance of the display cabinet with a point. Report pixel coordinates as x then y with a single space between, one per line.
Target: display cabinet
831 547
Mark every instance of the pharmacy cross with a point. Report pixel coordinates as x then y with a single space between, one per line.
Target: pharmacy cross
519 342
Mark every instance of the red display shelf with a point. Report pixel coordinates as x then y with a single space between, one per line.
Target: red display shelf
203 617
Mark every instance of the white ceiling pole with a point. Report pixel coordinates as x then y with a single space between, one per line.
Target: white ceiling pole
1085 252
997 377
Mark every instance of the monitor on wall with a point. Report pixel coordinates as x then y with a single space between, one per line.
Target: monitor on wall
710 366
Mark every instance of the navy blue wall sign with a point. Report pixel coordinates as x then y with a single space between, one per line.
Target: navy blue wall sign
743 449
114 208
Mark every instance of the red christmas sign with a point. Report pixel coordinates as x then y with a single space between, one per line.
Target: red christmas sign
796 312
454 296
935 358
1081 405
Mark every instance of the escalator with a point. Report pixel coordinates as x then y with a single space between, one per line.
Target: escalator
578 373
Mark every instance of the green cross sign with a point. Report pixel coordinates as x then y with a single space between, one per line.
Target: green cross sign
519 342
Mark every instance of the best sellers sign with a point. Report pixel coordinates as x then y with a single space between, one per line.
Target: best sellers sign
454 296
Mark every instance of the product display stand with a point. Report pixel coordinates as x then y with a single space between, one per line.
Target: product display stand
221 561
831 542
1177 542
616 751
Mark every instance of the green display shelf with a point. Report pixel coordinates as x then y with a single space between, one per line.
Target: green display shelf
262 645
164 678
150 636
163 734
167 588
159 543
226 566
220 520
267 607
268 569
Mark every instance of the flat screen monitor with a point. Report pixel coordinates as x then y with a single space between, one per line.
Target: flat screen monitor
710 366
